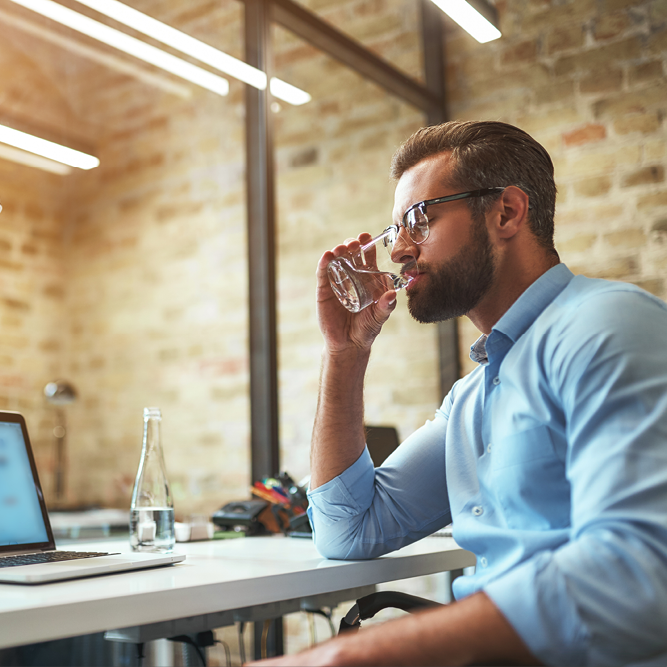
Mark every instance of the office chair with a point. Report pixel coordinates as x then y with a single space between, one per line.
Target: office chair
369 605
381 441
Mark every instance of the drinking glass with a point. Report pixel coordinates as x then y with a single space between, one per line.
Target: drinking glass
360 278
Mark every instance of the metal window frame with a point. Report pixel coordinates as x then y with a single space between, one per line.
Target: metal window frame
261 206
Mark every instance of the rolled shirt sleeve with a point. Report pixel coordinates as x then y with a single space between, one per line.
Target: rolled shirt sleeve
366 512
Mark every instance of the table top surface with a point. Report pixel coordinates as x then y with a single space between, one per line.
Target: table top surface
216 576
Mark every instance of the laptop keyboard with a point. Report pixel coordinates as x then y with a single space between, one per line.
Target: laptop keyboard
48 557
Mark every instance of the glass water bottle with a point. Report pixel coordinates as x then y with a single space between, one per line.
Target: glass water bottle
152 509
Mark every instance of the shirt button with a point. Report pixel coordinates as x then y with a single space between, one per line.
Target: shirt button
483 562
488 448
496 380
478 510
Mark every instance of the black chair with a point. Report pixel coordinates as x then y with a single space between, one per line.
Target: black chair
369 605
381 441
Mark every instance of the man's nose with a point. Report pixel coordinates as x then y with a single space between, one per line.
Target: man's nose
404 249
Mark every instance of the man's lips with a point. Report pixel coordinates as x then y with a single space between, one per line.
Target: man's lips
414 276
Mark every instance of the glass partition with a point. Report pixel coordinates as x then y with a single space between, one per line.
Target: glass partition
332 161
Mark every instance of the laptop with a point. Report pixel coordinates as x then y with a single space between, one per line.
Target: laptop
28 553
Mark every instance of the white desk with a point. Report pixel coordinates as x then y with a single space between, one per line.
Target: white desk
219 582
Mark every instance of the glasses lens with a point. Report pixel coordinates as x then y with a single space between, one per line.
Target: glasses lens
417 224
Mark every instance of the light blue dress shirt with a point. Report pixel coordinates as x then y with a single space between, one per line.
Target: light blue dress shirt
550 458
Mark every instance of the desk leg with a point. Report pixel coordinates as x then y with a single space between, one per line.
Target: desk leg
453 574
272 630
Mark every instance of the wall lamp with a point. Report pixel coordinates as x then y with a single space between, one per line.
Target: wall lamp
479 18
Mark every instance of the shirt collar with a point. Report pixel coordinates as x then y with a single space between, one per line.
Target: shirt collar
526 309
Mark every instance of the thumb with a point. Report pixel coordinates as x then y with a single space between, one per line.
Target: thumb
387 303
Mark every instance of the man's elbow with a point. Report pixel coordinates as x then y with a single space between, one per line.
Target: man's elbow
335 547
341 545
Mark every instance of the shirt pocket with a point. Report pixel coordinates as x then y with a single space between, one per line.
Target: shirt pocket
523 448
529 480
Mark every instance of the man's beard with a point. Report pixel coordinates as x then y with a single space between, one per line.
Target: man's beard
458 285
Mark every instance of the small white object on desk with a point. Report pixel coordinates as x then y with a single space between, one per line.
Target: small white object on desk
193 532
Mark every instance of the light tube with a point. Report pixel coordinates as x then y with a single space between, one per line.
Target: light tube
178 40
469 19
98 55
288 93
197 49
47 149
32 160
123 42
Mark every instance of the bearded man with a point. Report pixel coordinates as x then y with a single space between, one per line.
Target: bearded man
550 458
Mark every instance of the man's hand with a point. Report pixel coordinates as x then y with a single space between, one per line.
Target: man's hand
343 330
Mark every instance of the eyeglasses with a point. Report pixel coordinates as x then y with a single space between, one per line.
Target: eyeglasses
415 219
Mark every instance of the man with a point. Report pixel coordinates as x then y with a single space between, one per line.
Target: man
550 458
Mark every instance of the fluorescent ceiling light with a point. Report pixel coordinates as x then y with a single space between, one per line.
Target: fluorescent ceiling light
197 49
123 42
469 19
98 55
47 149
288 92
32 160
178 40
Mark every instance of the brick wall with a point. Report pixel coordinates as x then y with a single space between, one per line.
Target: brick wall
588 80
32 334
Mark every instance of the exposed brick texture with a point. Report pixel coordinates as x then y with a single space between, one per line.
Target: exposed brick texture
604 128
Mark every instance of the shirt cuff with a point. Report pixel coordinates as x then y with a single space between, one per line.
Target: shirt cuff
349 493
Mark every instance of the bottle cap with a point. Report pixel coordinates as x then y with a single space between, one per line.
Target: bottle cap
152 413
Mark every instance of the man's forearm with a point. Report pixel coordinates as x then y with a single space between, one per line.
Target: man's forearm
338 434
470 632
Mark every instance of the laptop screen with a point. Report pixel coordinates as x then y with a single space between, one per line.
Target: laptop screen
21 518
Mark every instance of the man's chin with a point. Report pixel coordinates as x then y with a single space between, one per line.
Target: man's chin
429 311
420 309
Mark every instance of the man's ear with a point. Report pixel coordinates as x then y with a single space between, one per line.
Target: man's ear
511 211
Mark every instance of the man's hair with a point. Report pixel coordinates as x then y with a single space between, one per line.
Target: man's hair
489 154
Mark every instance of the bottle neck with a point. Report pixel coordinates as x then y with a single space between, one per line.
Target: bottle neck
151 435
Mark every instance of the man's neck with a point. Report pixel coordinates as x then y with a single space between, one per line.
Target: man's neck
513 279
